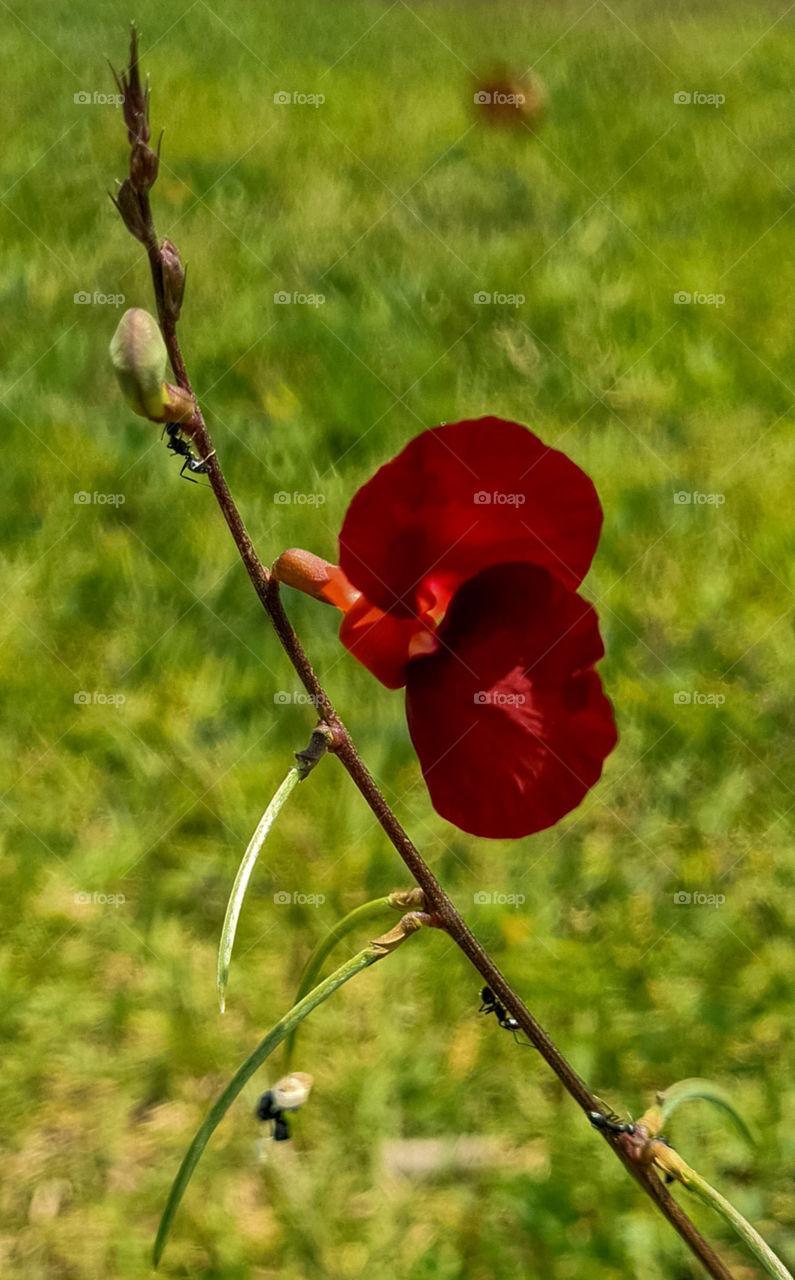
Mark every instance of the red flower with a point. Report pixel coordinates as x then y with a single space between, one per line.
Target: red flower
459 563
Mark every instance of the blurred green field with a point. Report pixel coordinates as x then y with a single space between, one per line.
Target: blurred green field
396 204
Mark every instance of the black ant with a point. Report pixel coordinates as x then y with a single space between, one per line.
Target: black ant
609 1122
492 1005
268 1110
197 466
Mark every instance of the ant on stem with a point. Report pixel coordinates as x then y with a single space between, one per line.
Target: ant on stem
607 1121
196 466
492 1005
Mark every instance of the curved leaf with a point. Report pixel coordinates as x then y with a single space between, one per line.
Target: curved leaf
243 876
706 1091
219 1109
368 911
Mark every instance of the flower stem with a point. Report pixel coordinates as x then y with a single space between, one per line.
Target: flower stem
672 1163
758 1247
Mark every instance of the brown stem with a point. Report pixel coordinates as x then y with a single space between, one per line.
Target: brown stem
437 902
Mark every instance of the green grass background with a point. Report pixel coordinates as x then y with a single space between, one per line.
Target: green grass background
392 201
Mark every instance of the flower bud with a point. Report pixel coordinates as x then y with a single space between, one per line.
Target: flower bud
173 279
128 204
144 163
136 99
315 577
139 358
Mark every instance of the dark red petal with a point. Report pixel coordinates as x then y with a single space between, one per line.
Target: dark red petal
508 718
422 516
379 640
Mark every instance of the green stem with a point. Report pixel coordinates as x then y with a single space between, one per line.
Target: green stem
272 1040
367 911
758 1247
295 775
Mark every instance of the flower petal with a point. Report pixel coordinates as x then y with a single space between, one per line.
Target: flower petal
380 641
508 718
462 497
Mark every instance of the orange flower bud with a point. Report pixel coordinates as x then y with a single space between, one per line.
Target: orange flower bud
315 577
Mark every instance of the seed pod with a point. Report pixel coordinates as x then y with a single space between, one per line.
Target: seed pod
144 163
128 204
173 279
139 358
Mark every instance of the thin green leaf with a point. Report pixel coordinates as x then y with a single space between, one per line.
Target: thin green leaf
751 1238
368 911
216 1114
704 1090
244 875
